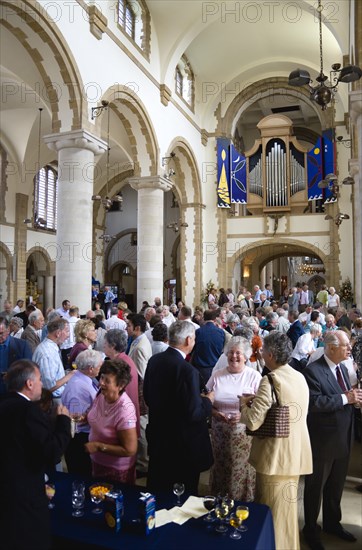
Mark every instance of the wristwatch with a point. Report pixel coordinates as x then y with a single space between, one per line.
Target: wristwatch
103 448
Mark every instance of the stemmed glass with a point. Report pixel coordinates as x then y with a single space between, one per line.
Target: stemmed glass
235 522
78 498
178 490
50 492
228 502
221 512
209 503
97 499
242 512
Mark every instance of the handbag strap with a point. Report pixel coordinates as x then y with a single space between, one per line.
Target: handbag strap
273 392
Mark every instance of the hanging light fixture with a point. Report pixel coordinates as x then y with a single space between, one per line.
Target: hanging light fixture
338 219
37 221
176 226
106 201
322 93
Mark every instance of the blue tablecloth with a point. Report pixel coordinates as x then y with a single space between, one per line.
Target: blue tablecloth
90 531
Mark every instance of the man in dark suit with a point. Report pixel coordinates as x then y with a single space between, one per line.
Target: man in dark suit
209 345
11 349
177 434
330 423
296 328
29 444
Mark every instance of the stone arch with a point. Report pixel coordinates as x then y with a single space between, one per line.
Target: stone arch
257 254
110 248
61 86
42 259
134 117
6 270
264 88
187 187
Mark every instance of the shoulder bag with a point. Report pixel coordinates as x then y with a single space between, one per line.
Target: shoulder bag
276 423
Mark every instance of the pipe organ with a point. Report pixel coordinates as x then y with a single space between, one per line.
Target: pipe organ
276 168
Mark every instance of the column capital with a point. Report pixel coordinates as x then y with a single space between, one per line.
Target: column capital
354 167
355 105
76 139
150 182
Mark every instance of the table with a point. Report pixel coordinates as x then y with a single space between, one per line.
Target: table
90 531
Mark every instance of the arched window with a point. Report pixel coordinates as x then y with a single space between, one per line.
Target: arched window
134 20
126 17
185 82
179 82
45 198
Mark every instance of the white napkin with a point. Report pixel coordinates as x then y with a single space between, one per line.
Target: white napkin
194 507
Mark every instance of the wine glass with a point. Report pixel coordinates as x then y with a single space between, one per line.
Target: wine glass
221 512
242 512
178 489
76 417
209 503
235 522
96 498
229 503
78 498
50 492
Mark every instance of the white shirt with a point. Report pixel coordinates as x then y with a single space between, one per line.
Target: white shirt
70 341
115 322
63 313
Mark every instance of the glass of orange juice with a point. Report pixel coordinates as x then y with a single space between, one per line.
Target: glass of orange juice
242 512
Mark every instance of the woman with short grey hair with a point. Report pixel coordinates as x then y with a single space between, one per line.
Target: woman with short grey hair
16 327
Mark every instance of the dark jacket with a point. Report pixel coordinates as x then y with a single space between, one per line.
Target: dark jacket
295 331
329 421
28 445
177 433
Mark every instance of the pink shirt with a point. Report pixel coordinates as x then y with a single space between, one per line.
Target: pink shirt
228 386
105 421
132 388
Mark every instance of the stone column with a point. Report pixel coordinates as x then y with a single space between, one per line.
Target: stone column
76 151
48 292
150 229
269 274
355 108
191 253
20 246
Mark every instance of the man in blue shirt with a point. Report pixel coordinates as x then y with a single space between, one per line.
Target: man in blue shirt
11 349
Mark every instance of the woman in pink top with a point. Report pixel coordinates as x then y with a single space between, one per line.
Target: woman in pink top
231 474
112 419
115 344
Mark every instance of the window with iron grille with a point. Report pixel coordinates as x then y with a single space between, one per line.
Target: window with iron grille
127 17
45 198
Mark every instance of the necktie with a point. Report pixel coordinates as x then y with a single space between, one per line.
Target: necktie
340 379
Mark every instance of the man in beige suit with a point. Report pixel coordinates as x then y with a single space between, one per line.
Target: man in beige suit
280 461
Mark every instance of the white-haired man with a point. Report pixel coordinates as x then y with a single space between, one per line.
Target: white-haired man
178 440
32 331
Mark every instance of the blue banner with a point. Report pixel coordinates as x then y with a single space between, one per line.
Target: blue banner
237 176
223 173
315 171
329 166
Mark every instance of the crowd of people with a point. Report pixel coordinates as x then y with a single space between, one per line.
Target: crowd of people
168 392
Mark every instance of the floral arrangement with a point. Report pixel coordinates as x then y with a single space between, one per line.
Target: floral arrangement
345 292
204 294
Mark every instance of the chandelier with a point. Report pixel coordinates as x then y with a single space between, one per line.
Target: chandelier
323 92
106 201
